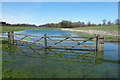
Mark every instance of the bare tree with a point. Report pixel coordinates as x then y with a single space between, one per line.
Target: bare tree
104 22
117 22
109 23
89 23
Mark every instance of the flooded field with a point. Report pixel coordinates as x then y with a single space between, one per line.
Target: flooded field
58 63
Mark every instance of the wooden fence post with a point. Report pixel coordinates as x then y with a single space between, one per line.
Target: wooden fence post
100 43
12 37
95 42
101 38
45 42
9 38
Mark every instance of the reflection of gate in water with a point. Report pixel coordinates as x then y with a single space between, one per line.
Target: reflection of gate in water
60 55
75 56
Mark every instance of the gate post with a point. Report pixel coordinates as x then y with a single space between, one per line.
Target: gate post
45 42
95 42
12 37
100 43
101 38
9 38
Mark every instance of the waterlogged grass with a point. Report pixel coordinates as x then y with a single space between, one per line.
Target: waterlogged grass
99 28
8 47
21 28
9 73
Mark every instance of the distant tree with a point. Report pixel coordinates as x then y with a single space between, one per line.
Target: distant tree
109 23
104 22
65 24
99 24
93 24
83 24
53 25
47 25
117 22
89 23
112 24
76 24
79 24
2 23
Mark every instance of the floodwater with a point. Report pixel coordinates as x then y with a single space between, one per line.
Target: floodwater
59 63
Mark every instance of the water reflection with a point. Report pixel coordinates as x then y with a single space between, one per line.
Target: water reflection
49 32
60 55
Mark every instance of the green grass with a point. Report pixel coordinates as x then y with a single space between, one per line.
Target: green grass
6 72
8 47
90 35
21 28
100 28
9 73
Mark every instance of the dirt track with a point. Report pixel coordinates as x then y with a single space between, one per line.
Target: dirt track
108 33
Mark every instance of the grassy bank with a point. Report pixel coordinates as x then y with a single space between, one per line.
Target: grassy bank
90 35
21 28
100 28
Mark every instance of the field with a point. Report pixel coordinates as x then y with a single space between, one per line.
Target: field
20 28
100 28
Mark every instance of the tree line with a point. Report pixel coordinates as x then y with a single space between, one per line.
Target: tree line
68 24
